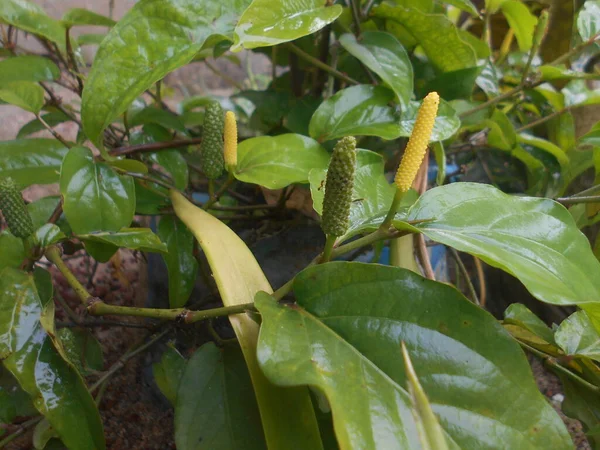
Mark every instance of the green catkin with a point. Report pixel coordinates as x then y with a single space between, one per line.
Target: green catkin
14 210
211 149
338 188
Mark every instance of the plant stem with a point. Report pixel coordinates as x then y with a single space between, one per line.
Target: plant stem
554 364
353 5
587 191
72 60
465 273
574 50
423 256
329 242
123 360
213 197
54 256
99 308
223 75
321 65
154 147
21 430
542 120
54 133
481 277
576 200
393 209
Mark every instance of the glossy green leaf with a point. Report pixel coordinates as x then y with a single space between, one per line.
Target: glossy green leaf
52 119
287 415
58 391
151 40
142 239
457 84
588 20
48 234
584 405
464 5
266 23
31 161
446 123
13 252
27 68
24 94
372 193
216 408
342 337
430 432
41 210
519 314
551 73
440 160
383 54
80 16
82 348
14 401
435 33
96 198
32 18
130 165
577 336
174 164
592 137
356 111
278 161
521 21
168 372
42 433
182 266
502 134
90 39
534 239
547 146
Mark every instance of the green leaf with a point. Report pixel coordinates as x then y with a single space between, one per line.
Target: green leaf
146 45
31 161
32 18
168 372
534 239
440 160
142 239
519 314
287 414
58 391
90 39
83 349
577 336
436 34
521 21
588 20
446 123
383 54
457 84
592 137
173 162
551 73
14 401
182 267
584 405
372 194
577 93
96 198
278 161
48 234
266 23
80 16
42 433
358 110
344 337
464 5
24 94
130 165
51 118
547 146
27 68
216 407
13 252
430 432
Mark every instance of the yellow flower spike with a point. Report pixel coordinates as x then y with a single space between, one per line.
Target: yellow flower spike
231 140
417 143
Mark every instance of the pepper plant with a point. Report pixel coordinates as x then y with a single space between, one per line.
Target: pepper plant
381 354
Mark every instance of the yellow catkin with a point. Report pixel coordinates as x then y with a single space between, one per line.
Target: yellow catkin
231 140
417 143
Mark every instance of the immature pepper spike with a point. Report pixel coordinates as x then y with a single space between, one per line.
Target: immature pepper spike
14 210
211 148
230 137
417 143
338 188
